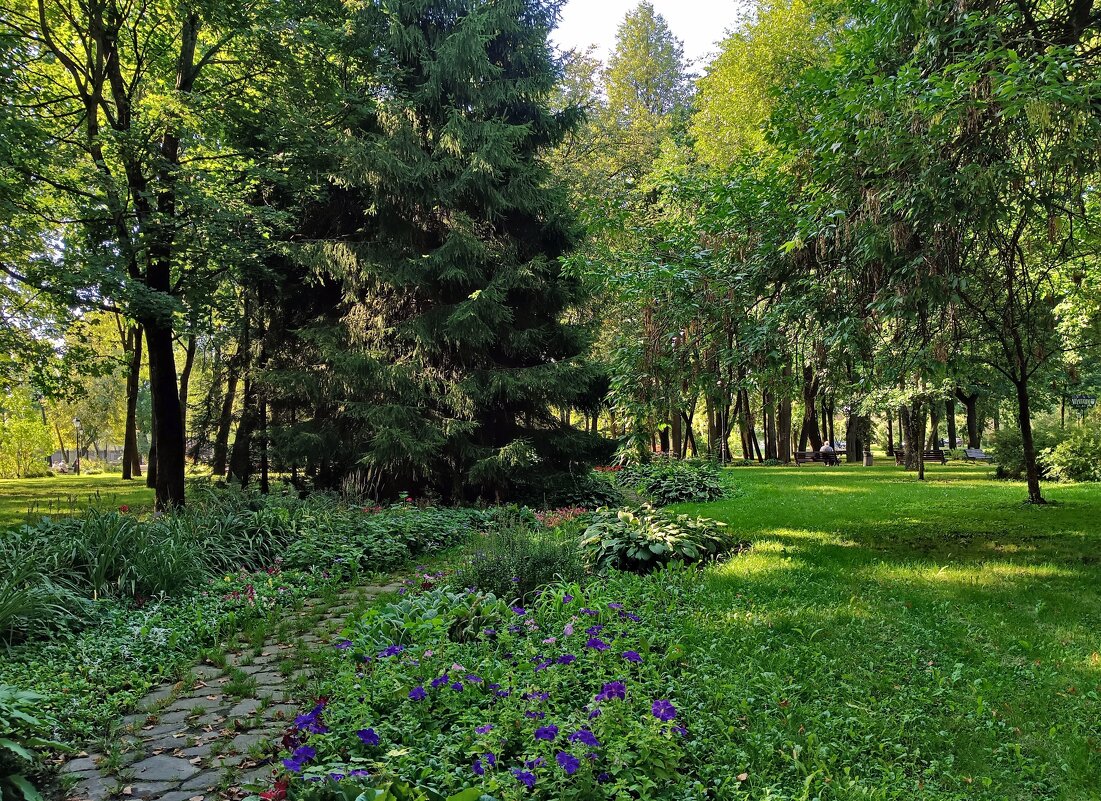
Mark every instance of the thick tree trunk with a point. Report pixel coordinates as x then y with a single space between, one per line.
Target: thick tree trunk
913 424
769 406
265 486
167 416
855 438
151 466
675 431
934 425
950 422
783 431
240 460
810 413
890 433
971 407
131 458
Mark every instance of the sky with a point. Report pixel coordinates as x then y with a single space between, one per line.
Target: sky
700 24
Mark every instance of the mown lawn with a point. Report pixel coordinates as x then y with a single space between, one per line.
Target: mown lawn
891 639
26 500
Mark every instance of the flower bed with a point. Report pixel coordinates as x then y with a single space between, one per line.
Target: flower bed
572 697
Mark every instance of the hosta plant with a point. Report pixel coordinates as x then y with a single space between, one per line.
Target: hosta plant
644 539
668 481
23 734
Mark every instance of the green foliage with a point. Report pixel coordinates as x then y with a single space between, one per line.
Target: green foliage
424 616
1009 452
669 481
381 790
24 732
645 539
513 561
1077 457
25 440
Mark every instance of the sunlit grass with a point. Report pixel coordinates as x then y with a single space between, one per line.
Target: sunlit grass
27 500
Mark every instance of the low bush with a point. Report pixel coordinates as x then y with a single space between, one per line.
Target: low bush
1009 451
642 540
1078 457
24 733
668 481
512 562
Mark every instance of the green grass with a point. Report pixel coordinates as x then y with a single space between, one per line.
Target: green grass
26 500
891 639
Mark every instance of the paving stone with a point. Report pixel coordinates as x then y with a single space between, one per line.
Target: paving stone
177 795
148 789
245 708
135 721
207 671
251 670
197 750
190 702
163 769
268 679
158 731
281 712
178 716
86 764
207 780
158 697
243 742
94 787
264 775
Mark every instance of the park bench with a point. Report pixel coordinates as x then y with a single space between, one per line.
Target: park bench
935 455
809 457
976 455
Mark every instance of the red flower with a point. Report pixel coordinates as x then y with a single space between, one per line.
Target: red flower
124 508
278 792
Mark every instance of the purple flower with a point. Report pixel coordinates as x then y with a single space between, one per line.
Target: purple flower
473 678
457 686
592 631
343 645
368 736
595 714
632 656
299 757
603 778
358 773
597 644
535 715
611 691
519 610
546 732
534 696
486 729
567 598
440 682
615 606
663 710
502 693
525 777
491 759
515 579
590 612
683 732
491 633
630 616
534 763
543 665
568 762
393 650
417 694
585 737
566 659
515 629
311 721
477 768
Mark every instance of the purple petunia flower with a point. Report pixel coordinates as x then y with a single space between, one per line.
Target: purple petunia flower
585 737
615 606
440 682
486 729
534 696
630 616
393 650
595 714
632 656
683 732
473 678
358 773
457 686
603 778
590 612
525 777
368 736
534 763
611 691
519 610
567 598
535 715
568 762
566 659
663 710
543 665
597 644
417 694
311 721
515 579
546 732
592 631
343 645
515 629
477 768
502 693
299 757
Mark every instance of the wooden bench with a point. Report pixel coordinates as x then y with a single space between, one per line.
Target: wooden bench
810 457
935 455
976 455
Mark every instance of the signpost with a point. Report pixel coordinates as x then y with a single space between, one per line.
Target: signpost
1083 402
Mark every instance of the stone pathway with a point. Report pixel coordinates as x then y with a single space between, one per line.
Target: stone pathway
215 735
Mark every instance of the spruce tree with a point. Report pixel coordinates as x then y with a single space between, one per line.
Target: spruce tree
441 359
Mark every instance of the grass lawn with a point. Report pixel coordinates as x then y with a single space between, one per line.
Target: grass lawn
891 639
25 500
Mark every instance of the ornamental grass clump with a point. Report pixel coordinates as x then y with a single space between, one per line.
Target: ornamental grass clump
567 697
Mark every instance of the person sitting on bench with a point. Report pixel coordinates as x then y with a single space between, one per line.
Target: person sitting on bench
829 458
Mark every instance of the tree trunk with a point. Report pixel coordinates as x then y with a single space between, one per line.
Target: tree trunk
240 460
265 486
1032 468
769 406
131 458
810 413
783 430
971 407
167 416
913 423
185 380
890 433
225 419
950 422
934 425
676 432
151 467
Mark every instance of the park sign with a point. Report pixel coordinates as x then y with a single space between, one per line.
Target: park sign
1083 402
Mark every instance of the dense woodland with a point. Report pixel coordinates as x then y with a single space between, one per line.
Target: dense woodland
409 245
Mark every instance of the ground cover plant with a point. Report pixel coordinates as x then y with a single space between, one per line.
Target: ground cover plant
643 539
883 638
665 481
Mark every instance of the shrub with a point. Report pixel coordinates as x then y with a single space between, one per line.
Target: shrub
514 561
668 481
587 490
23 733
30 602
642 540
1078 457
1009 451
